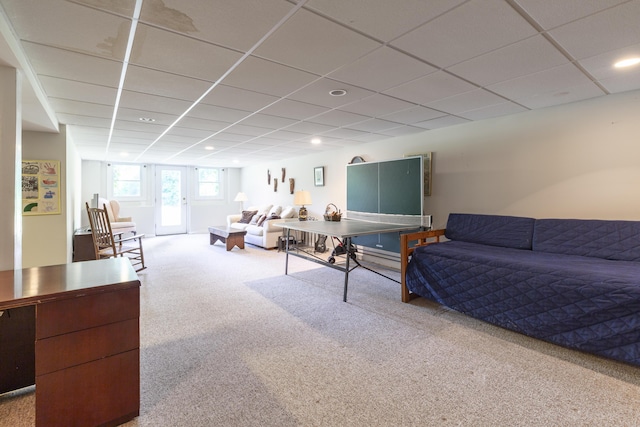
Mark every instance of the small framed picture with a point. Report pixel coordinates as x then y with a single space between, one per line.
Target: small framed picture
318 175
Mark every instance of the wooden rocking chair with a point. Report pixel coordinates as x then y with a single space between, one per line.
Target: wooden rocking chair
107 245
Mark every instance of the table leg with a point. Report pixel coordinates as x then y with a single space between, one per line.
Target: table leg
286 253
347 244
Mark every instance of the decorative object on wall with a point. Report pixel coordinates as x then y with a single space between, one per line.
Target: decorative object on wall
302 198
284 174
292 184
275 184
318 176
356 159
241 197
268 177
41 187
426 162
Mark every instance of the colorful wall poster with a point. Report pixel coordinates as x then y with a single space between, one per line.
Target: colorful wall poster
40 187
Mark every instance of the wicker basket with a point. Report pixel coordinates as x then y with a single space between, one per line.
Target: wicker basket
332 213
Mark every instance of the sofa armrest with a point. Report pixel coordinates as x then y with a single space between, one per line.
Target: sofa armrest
233 218
124 219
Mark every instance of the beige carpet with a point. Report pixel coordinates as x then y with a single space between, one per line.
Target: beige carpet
228 340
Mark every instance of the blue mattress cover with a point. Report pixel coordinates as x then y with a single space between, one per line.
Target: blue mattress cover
586 303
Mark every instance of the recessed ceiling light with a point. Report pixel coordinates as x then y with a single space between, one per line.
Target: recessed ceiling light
208 147
147 119
338 92
316 141
627 62
124 154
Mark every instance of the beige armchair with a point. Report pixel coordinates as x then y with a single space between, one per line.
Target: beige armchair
118 224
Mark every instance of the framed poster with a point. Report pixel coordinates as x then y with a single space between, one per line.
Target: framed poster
40 187
318 176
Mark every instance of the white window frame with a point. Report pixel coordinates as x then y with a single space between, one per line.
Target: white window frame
196 183
144 171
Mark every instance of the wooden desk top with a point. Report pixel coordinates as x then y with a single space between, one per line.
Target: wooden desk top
39 284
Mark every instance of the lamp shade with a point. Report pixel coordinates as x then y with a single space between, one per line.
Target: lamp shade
240 197
301 198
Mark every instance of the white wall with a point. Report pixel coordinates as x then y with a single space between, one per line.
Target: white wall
46 239
201 213
578 160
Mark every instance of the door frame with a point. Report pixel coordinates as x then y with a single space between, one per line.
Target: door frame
183 227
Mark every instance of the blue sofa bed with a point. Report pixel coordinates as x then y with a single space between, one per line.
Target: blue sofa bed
571 282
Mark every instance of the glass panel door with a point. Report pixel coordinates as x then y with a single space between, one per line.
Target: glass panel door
171 200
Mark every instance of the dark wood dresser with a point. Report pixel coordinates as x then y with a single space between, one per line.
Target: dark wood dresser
73 331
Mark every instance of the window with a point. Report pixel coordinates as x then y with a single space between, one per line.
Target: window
209 183
127 181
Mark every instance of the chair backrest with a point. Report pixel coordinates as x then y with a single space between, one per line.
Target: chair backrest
100 229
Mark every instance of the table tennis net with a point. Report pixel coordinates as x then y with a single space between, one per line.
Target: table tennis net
420 221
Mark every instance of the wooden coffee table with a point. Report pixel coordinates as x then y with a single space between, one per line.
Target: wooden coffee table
230 236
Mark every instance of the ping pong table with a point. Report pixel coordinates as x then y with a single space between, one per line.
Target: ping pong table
344 230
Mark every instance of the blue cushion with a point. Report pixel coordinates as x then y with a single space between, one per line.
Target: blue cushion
607 239
493 230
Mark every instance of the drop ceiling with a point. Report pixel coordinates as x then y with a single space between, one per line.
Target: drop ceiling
238 82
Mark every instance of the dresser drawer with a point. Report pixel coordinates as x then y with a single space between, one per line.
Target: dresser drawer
84 312
103 392
64 351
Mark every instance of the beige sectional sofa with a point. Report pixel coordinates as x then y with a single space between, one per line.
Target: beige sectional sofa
260 223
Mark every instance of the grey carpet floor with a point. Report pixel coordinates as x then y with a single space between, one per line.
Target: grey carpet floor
228 340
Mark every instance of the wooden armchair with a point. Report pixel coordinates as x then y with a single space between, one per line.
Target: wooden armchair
408 243
110 245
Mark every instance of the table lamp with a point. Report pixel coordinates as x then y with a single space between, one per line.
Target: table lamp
301 198
241 197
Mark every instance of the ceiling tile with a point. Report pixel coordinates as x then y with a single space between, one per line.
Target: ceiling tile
566 95
267 77
60 22
442 122
364 15
69 65
78 91
431 88
294 109
164 84
552 13
268 122
238 25
474 28
152 103
518 59
338 118
491 111
184 56
556 79
374 125
602 66
377 105
317 93
312 43
607 30
413 115
471 100
382 69
237 98
214 112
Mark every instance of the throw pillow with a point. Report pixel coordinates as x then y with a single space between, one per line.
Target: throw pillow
288 212
261 220
246 216
275 210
